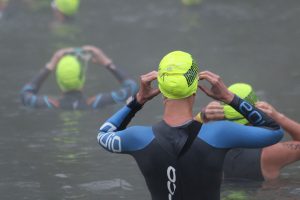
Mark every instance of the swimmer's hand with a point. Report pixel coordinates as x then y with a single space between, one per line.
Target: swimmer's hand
218 89
268 109
99 56
146 91
51 65
212 112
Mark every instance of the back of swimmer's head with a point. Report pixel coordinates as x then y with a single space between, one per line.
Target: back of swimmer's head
67 7
244 91
177 75
69 74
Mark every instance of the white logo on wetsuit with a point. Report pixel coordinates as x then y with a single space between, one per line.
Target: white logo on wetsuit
108 139
171 173
253 116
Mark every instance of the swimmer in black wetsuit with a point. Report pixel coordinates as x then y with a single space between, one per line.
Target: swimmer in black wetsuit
180 158
70 75
261 163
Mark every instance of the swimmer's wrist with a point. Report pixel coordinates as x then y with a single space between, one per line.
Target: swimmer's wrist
229 98
278 117
234 102
110 65
49 66
133 103
140 99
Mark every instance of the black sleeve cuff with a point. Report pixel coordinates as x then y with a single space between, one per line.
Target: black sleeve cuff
133 104
235 102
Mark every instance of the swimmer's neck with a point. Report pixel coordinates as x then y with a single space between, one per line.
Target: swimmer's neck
178 112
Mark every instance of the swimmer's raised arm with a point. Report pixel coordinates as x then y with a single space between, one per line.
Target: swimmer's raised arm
115 128
128 86
29 92
51 65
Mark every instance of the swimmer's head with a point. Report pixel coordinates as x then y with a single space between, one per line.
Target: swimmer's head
70 74
244 91
66 7
177 75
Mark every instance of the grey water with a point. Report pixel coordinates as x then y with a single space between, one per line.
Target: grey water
53 154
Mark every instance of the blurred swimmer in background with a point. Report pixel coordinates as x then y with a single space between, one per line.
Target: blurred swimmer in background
260 163
70 65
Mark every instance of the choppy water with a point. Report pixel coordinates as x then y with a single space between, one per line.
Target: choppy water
54 154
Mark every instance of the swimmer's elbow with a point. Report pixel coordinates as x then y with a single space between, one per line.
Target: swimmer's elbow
279 134
100 138
276 136
109 141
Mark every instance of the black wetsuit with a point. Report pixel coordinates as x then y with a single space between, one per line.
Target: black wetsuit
243 164
185 162
76 99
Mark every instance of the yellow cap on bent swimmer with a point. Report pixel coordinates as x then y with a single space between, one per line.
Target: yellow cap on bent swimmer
69 74
177 75
67 7
244 91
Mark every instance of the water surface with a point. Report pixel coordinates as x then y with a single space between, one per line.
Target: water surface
54 154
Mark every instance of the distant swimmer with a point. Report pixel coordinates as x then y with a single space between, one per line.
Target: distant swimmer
179 157
261 163
65 9
70 67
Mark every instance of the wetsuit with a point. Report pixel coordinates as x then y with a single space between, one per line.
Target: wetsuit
243 164
76 99
185 162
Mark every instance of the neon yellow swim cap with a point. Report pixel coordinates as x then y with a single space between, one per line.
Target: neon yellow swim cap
67 7
177 75
245 92
69 74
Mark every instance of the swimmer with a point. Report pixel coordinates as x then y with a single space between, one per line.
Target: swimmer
261 163
70 75
179 157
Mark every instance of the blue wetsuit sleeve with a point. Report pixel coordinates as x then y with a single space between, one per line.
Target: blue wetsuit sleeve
115 137
226 134
128 88
223 134
29 93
